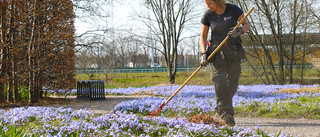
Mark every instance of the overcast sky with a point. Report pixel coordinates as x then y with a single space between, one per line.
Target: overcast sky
123 11
121 16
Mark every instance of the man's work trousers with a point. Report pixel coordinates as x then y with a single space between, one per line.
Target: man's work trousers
226 71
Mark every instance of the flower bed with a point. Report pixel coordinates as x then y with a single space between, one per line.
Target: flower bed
200 99
128 117
44 121
193 90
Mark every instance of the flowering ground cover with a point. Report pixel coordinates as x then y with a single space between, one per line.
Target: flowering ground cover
44 121
193 100
128 118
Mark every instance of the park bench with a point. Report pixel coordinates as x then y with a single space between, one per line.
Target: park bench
92 89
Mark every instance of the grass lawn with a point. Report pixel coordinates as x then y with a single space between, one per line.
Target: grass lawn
248 77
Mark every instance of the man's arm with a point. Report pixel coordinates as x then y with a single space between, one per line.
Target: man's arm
245 24
203 38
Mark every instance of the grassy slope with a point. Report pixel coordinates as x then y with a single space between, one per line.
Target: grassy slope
201 78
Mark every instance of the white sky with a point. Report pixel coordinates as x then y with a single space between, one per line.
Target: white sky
121 16
123 12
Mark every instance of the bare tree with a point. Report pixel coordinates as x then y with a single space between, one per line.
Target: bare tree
122 51
134 48
309 20
107 67
95 16
301 16
168 21
275 24
84 61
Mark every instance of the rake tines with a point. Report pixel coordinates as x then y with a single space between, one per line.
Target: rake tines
157 111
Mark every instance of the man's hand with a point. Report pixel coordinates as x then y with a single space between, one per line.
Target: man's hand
203 59
236 33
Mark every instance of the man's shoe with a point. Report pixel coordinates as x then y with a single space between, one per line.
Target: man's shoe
228 119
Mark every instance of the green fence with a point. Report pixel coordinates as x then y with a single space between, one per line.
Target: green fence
137 70
164 69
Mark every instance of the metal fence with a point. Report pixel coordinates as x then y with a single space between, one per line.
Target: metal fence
306 66
137 70
164 69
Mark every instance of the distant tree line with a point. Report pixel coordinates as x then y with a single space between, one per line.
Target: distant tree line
37 47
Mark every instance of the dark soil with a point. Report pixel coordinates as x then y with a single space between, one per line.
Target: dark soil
41 102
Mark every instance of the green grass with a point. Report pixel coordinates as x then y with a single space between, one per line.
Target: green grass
148 79
12 131
301 107
153 79
248 77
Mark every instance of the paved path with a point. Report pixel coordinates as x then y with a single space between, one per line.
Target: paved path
296 127
98 106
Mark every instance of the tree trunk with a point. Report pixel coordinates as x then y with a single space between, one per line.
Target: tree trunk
13 57
10 55
302 64
31 77
15 80
281 75
3 49
305 43
10 91
293 42
32 97
171 77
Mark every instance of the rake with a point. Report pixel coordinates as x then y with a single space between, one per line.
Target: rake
158 110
